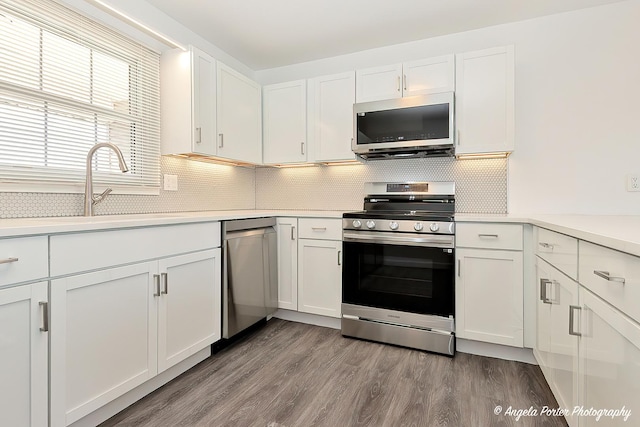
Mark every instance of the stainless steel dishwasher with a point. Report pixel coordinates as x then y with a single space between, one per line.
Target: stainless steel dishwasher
249 273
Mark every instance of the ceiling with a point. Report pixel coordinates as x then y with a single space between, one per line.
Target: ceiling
272 33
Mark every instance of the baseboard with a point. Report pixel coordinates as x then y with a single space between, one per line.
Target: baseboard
310 319
128 399
498 351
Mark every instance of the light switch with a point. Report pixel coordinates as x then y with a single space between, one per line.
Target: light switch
170 182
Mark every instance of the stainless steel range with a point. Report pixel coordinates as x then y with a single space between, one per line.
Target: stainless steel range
398 276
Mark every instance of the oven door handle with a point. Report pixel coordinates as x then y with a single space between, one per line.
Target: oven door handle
426 241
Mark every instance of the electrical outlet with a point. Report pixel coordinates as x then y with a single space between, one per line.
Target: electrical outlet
633 182
170 182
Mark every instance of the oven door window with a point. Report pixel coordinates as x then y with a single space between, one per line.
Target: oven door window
405 278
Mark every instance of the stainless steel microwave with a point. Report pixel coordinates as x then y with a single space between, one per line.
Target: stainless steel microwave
417 126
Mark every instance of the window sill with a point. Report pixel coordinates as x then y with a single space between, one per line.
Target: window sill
52 187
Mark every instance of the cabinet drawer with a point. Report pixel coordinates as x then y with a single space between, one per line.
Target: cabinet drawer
613 276
73 253
320 228
23 259
559 250
489 236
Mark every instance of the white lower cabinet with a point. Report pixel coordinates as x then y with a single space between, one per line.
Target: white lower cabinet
609 361
287 263
489 283
23 356
320 277
489 294
557 342
116 328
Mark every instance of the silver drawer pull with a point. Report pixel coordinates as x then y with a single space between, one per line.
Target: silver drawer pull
45 316
605 275
544 283
8 260
293 232
488 236
156 282
319 228
164 278
546 245
572 309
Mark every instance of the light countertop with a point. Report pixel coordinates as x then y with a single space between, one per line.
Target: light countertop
620 232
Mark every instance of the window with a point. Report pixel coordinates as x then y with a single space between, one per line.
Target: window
67 83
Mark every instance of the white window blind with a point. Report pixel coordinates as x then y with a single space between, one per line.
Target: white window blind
67 83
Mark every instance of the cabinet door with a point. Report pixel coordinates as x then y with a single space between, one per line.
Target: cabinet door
485 101
23 356
320 277
103 338
330 125
190 310
285 122
430 75
563 347
287 263
375 84
609 360
543 316
239 117
203 70
489 289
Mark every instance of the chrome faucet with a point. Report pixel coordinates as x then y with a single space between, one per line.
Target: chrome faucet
89 198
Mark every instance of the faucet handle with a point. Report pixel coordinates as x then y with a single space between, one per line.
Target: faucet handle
99 198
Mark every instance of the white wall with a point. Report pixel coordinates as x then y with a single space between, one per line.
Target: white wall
147 14
577 103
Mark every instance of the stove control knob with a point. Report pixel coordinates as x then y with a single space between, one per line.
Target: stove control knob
393 225
418 226
371 224
434 227
357 223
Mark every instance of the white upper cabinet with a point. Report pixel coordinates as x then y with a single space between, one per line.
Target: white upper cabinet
485 101
239 117
426 76
285 122
330 117
188 102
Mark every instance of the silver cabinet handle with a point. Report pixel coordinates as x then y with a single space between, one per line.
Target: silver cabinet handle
164 277
198 135
605 275
221 136
45 316
404 81
459 268
293 232
8 260
339 256
302 148
488 236
546 245
156 282
398 83
572 309
319 228
543 290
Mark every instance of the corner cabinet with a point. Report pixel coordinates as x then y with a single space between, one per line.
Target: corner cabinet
188 102
431 75
485 101
24 355
239 117
285 122
489 283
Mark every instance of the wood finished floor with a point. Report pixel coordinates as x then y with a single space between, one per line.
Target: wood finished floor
290 374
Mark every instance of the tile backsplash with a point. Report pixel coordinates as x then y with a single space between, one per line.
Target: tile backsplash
481 184
201 187
481 187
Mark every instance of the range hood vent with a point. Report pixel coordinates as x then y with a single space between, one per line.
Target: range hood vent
423 152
